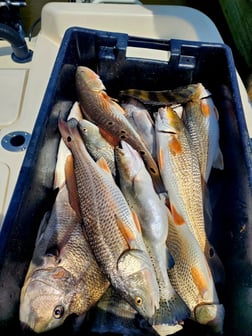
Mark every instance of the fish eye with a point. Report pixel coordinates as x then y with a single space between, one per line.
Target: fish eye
138 301
58 312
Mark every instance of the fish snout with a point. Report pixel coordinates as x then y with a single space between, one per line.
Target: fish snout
211 315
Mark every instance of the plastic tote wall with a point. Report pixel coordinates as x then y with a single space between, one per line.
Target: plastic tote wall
230 189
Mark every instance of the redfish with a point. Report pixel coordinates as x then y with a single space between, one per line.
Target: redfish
63 276
190 275
137 187
180 170
96 144
201 118
114 315
106 113
112 230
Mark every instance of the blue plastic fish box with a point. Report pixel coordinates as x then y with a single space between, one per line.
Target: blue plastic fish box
230 189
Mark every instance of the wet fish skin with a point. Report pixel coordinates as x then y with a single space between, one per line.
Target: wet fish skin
96 144
201 119
179 168
63 277
191 276
109 115
141 120
111 229
180 95
137 187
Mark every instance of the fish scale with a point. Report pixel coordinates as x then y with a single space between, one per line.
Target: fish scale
180 170
100 108
110 227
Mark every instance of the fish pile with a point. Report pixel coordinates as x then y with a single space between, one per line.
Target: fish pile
126 238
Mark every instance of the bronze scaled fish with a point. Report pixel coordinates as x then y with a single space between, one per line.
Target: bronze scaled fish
180 95
114 315
96 144
190 275
63 276
113 231
201 119
137 187
179 168
108 114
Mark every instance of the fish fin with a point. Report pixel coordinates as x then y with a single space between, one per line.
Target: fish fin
219 161
72 185
199 279
102 163
42 227
128 234
110 138
170 314
136 220
177 218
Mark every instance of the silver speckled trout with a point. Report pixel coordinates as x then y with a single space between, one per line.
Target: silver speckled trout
137 187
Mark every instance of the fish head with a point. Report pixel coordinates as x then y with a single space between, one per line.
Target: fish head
128 159
87 79
142 291
46 299
211 315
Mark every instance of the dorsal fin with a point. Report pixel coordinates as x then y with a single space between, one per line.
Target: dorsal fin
102 163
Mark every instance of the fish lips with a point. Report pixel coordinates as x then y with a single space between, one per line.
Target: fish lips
45 299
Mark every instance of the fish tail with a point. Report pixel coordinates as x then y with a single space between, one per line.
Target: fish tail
170 315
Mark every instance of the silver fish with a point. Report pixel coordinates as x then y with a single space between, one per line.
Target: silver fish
137 187
140 119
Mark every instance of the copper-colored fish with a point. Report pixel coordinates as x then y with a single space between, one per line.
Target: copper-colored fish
180 170
201 119
96 144
63 276
113 231
190 275
109 115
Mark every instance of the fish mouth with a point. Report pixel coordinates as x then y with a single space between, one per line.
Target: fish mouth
210 314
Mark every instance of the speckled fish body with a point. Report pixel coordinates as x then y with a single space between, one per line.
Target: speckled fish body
63 276
109 115
96 144
137 187
191 276
113 314
140 119
180 95
201 119
180 170
113 233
